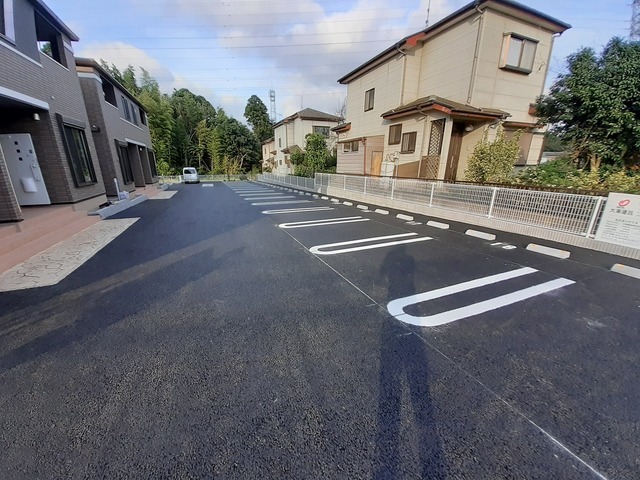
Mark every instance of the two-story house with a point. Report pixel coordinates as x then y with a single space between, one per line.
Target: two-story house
418 108
119 127
47 153
290 132
269 155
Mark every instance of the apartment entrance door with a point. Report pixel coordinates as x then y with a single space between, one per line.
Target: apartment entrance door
455 146
24 170
376 162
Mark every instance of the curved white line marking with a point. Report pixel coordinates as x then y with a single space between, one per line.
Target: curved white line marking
297 210
319 249
396 307
320 223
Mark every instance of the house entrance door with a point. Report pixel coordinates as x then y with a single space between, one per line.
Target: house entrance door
24 170
455 146
376 163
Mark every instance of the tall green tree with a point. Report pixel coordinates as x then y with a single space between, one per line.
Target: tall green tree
257 117
596 105
315 158
238 147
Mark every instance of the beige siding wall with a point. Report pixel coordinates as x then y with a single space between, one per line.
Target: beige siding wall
469 141
351 162
412 65
447 62
386 79
503 89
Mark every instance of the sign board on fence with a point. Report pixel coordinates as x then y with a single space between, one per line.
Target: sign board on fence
620 222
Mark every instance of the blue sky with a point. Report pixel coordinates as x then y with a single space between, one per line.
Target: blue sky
228 50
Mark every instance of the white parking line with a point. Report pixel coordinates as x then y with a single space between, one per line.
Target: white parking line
261 193
325 221
207 184
277 203
270 198
297 210
320 249
396 307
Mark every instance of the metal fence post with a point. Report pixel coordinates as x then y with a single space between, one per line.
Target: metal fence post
594 217
493 201
433 186
344 183
393 184
365 186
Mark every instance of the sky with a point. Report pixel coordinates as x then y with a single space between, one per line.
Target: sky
228 50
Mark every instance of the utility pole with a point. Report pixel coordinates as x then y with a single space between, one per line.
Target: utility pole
634 33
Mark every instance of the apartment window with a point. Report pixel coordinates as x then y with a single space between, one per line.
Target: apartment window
125 107
7 28
350 146
395 134
279 142
368 99
50 40
143 116
109 92
408 142
134 115
75 142
125 162
324 131
518 53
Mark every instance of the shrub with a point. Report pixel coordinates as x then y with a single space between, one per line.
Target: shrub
493 161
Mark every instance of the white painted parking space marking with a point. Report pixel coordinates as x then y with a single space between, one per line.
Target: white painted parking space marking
414 223
325 221
207 185
396 307
283 202
270 198
321 249
261 193
297 210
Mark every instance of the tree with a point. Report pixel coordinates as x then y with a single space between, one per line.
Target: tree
257 117
341 111
595 106
238 147
493 161
315 157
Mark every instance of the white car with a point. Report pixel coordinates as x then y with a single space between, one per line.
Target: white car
190 175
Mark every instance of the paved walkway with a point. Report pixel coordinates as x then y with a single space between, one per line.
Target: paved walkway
54 264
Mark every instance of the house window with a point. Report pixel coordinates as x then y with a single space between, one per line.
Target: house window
7 28
324 131
125 163
78 154
518 53
143 116
408 142
368 99
351 146
395 133
280 142
134 116
109 92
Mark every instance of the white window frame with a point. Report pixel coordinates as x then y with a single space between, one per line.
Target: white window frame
9 30
411 137
524 48
369 99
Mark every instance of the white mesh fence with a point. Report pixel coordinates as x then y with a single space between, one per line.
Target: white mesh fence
565 212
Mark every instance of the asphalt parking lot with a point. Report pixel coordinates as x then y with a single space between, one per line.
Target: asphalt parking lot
246 330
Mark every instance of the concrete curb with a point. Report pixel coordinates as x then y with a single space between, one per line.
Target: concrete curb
348 204
119 207
552 252
433 223
479 234
402 216
626 270
381 211
362 207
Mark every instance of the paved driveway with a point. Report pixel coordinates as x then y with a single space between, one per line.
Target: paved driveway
207 340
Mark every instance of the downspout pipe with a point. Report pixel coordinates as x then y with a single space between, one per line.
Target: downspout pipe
476 55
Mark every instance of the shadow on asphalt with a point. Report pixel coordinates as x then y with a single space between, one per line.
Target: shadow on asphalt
407 442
